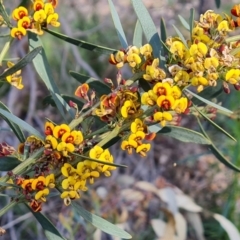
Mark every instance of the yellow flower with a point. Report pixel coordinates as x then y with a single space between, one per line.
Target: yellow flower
42 194
198 50
65 148
198 33
118 59
128 108
18 32
53 20
211 63
137 137
149 98
142 149
68 170
162 89
15 79
38 183
39 16
19 13
68 196
180 105
178 49
95 152
199 81
233 76
223 27
74 137
137 125
38 5
146 50
162 117
50 181
165 102
52 141
58 131
24 22
176 92
48 128
182 78
129 145
134 60
48 8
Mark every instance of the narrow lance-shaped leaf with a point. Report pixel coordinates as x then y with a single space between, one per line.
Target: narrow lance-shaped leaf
82 44
217 153
100 223
181 134
44 70
191 21
22 124
8 163
118 25
148 26
4 14
184 22
218 3
49 229
15 128
138 35
22 63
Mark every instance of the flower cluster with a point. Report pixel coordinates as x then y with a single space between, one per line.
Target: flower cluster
60 140
135 139
43 14
75 179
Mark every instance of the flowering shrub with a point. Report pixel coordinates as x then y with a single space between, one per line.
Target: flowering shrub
170 75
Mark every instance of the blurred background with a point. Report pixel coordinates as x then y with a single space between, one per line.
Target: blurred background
175 176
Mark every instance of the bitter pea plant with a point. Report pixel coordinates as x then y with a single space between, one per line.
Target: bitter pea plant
171 77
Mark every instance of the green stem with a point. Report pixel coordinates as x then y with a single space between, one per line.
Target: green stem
99 131
233 39
7 207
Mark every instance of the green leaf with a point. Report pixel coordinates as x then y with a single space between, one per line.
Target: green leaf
148 26
22 124
214 124
209 102
218 3
100 223
49 100
94 84
138 35
22 63
208 93
44 70
217 153
118 25
4 14
49 229
235 51
181 133
144 85
8 163
181 36
163 30
99 161
15 128
4 51
82 44
184 22
191 21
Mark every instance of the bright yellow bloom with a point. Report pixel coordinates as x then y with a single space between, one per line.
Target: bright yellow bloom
129 145
118 59
53 20
198 50
18 32
68 196
95 152
137 137
14 79
52 141
182 78
65 148
59 130
223 27
40 16
162 89
38 5
165 102
42 194
180 105
50 180
211 63
128 108
178 49
48 8
149 98
68 170
19 13
233 76
199 81
146 50
134 60
198 34
49 126
142 149
25 22
74 137
176 92
162 117
38 183
137 125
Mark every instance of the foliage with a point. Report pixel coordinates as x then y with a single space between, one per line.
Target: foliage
172 78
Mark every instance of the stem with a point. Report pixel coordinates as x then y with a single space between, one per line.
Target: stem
99 131
7 207
233 39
